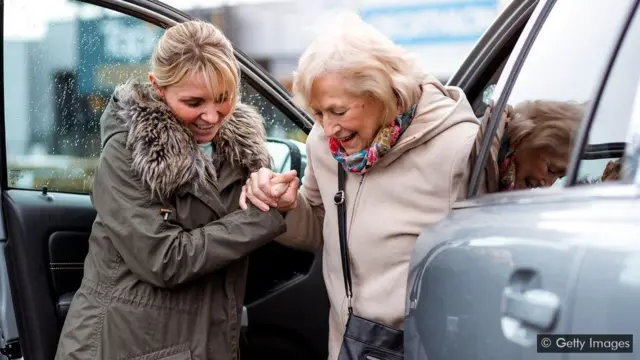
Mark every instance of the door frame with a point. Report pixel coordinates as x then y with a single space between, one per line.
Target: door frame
164 16
567 192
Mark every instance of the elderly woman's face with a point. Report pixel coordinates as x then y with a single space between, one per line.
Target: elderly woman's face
538 169
353 120
193 104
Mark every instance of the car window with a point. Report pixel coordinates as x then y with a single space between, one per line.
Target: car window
602 158
553 87
278 126
281 155
58 77
481 103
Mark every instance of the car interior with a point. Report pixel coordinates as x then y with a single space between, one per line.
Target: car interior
48 241
45 241
598 157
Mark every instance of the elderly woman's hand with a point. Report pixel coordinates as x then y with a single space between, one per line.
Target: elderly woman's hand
265 189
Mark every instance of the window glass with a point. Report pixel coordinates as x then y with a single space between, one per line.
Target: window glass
278 126
277 123
602 159
632 148
481 103
60 71
555 84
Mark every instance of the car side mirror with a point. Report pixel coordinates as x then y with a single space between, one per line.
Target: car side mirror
287 155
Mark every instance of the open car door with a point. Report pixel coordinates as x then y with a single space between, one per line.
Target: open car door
56 84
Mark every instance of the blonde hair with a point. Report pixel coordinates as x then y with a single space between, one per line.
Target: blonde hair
370 62
545 125
195 47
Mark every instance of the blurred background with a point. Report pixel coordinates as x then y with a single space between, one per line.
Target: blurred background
62 59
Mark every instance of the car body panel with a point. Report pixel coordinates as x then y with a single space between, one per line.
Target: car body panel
556 234
572 248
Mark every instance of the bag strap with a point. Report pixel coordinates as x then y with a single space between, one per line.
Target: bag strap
340 200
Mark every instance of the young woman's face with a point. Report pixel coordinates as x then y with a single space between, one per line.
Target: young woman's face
193 104
352 120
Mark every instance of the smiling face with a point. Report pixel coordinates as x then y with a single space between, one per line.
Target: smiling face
353 120
192 103
542 132
539 169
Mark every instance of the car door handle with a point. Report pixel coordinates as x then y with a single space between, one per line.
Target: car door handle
536 308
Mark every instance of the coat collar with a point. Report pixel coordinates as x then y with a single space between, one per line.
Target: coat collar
164 152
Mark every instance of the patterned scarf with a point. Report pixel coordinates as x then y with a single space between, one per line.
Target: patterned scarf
507 172
506 164
386 138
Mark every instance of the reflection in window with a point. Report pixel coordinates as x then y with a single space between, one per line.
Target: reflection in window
278 125
603 158
59 80
65 75
551 93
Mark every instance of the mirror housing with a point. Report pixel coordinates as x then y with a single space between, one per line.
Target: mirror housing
287 155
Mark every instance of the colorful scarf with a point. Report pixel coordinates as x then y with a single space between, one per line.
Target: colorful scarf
386 138
507 172
506 163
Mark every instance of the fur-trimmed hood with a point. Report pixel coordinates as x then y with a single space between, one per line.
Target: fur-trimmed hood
164 152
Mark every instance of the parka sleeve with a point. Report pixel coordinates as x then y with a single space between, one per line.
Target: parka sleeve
305 222
161 252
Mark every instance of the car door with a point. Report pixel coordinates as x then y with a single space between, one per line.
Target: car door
495 273
60 66
608 285
480 71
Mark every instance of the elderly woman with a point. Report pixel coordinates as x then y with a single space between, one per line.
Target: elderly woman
165 274
532 145
404 141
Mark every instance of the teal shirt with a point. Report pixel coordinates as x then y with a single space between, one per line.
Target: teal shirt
207 147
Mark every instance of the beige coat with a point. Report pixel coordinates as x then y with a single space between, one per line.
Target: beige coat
411 187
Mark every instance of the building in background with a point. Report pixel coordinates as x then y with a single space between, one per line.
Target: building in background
439 32
61 79
274 33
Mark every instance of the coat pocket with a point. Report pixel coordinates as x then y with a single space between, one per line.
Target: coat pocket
180 352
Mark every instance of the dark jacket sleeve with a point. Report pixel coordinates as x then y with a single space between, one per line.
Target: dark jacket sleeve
158 251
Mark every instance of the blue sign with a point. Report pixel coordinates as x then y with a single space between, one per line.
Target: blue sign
112 49
433 22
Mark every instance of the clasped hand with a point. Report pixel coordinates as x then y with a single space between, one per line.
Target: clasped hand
265 189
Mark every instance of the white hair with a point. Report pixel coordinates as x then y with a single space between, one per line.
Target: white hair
371 63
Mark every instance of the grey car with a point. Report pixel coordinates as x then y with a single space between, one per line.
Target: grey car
504 268
483 282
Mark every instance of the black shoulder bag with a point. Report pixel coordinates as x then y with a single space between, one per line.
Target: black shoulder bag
363 339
